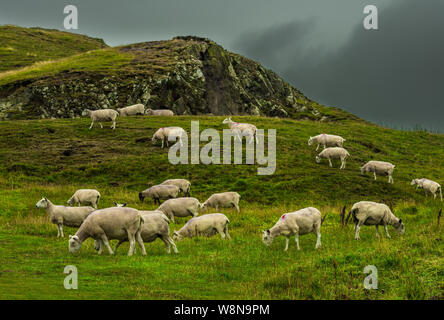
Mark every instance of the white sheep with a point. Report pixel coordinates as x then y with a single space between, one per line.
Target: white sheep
169 134
180 207
327 140
159 192
304 221
64 216
108 224
223 200
244 129
101 116
334 153
428 185
85 197
379 168
374 214
182 184
156 225
207 225
133 110
160 112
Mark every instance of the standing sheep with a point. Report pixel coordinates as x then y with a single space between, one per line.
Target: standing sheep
64 216
169 133
428 185
182 184
327 140
239 129
101 116
159 192
108 224
207 225
223 200
334 153
134 110
160 112
85 197
374 214
379 168
180 207
296 223
156 225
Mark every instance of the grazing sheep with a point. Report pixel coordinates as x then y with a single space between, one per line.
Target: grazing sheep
304 221
180 207
85 197
334 153
428 185
379 168
64 216
101 116
182 184
207 225
160 112
159 192
108 224
239 129
327 140
163 134
156 225
374 214
223 200
133 110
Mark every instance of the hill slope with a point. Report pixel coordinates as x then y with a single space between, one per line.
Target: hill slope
189 75
21 47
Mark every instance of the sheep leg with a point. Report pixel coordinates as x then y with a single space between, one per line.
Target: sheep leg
357 229
100 247
237 207
257 140
114 125
296 238
287 241
374 174
377 231
162 143
386 231
92 124
101 126
118 245
167 244
172 244
226 233
106 243
221 232
318 239
317 147
140 242
329 161
58 230
132 242
61 230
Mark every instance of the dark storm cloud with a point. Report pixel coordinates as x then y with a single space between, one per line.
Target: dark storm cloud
393 76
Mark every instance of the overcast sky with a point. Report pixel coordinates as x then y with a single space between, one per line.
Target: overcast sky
392 76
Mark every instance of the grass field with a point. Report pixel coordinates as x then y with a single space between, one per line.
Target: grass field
53 158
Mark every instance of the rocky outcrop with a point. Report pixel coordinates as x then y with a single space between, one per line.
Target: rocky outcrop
189 75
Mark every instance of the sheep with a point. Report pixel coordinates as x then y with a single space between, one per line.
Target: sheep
64 216
133 110
101 116
169 133
182 184
223 200
379 168
159 192
239 129
156 225
372 213
335 152
180 207
85 197
108 224
304 221
160 112
207 225
327 140
428 185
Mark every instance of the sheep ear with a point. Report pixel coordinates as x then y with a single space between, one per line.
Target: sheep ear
268 231
400 221
124 205
115 203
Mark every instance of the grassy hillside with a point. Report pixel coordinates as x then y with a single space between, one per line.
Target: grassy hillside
21 47
53 158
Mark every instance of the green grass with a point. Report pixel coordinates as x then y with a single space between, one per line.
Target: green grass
53 158
21 47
